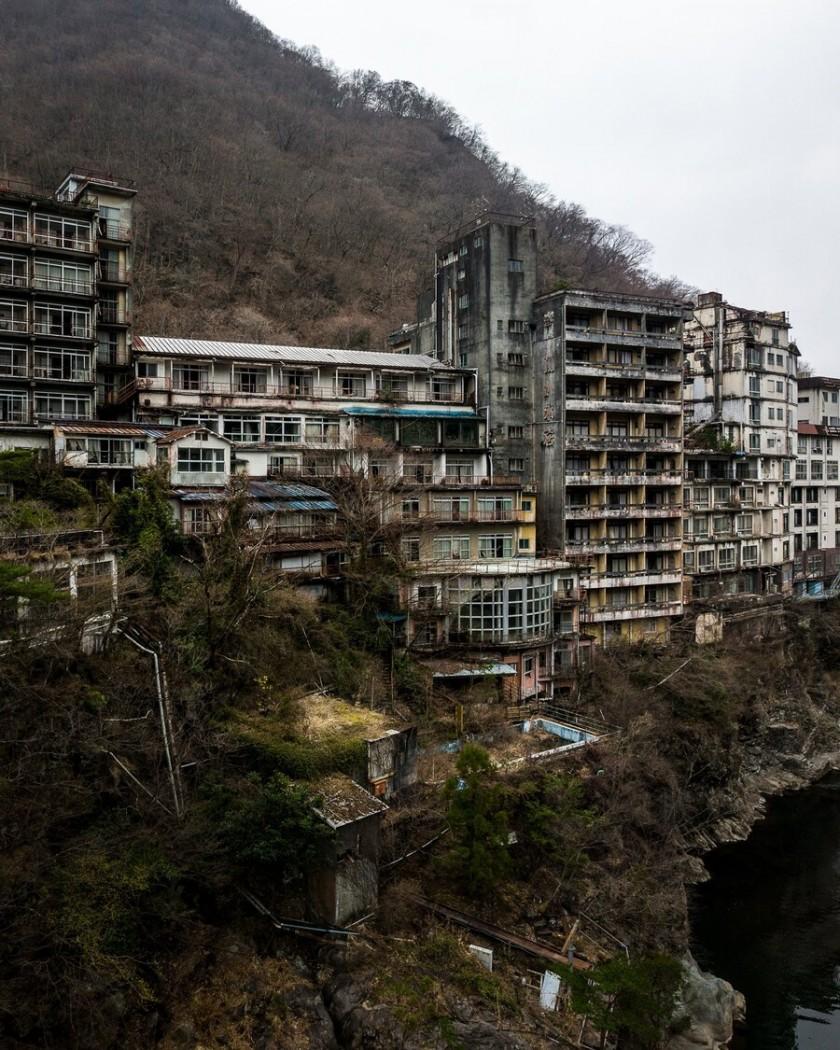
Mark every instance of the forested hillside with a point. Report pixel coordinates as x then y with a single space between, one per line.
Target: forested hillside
279 199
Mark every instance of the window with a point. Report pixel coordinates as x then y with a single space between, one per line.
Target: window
243 429
706 560
58 232
297 383
816 469
148 369
525 545
351 385
322 430
754 386
831 470
516 360
248 380
463 301
55 363
393 387
410 549
722 494
200 419
444 389
14 317
455 508
282 430
410 509
577 427
190 377
701 497
801 470
62 406
517 327
516 393
516 465
515 266
13 361
13 271
749 554
460 433
13 407
56 276
726 558
460 469
517 432
495 546
451 547
744 524
700 526
14 225
201 460
688 561
495 508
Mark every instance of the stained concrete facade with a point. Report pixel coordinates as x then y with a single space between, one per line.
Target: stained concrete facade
740 398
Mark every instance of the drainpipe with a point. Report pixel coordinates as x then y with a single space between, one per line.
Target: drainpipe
165 727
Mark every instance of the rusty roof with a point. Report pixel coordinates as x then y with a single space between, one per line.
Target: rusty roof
105 428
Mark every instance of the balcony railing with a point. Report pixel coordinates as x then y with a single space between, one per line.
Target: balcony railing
62 284
303 392
10 324
13 280
630 611
112 313
112 273
60 375
13 413
76 244
74 331
114 231
468 516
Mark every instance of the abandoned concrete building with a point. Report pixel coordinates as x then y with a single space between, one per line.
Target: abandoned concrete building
401 433
65 306
815 493
740 407
582 392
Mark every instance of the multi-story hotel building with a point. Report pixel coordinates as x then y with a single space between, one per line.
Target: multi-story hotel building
65 269
815 493
740 404
608 431
407 428
586 379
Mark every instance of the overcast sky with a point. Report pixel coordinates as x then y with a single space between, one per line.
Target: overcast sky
712 130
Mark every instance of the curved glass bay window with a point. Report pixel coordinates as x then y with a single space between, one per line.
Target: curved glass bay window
500 608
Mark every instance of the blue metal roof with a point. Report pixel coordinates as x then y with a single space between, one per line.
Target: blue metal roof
441 412
283 506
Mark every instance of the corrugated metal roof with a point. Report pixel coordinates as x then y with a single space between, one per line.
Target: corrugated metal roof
439 412
315 355
284 506
278 490
103 428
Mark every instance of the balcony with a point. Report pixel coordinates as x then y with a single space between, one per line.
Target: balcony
13 280
61 375
631 611
60 331
10 324
57 240
112 313
636 578
605 403
620 337
192 479
112 273
629 443
304 392
622 510
64 285
628 545
471 517
114 231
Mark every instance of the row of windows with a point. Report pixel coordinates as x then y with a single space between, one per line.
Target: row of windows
722 558
815 443
721 524
49 319
817 473
14 406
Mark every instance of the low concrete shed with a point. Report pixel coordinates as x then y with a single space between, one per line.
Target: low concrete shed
346 887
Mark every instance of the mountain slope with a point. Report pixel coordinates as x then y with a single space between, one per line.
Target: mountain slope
279 200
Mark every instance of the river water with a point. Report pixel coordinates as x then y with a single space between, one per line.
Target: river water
769 922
